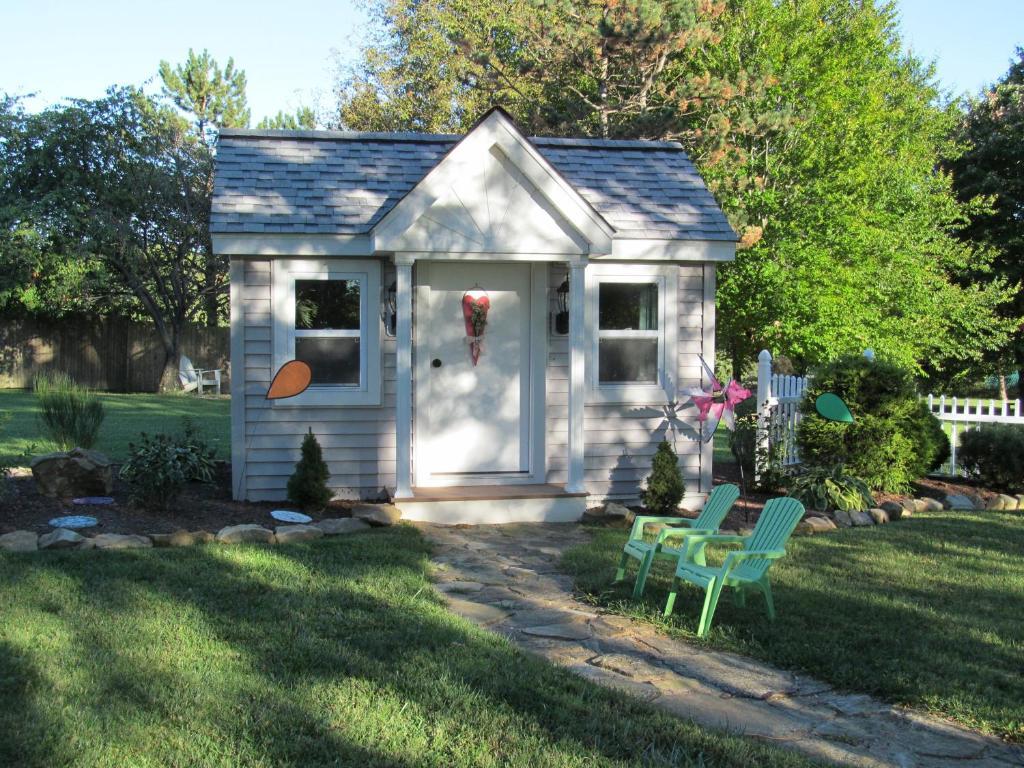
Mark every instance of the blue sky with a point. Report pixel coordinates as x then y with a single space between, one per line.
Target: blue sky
289 50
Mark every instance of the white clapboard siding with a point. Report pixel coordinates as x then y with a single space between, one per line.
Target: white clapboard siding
359 442
620 439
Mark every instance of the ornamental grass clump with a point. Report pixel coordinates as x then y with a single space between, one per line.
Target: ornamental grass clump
307 486
69 414
665 487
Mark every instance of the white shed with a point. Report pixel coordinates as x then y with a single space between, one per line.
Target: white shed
364 254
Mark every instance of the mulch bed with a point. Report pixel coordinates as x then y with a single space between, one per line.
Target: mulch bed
206 507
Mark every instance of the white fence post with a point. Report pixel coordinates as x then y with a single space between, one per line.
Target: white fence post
764 409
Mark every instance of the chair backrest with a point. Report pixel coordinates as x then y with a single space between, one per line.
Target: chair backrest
717 506
772 530
186 370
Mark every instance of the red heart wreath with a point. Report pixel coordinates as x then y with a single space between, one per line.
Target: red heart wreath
475 306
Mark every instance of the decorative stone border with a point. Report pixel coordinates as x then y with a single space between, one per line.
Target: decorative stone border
364 516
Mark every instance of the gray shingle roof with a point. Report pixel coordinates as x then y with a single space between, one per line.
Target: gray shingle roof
339 182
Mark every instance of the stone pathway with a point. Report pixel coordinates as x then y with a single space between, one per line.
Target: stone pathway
506 578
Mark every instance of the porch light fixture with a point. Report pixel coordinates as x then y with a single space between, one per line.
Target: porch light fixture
389 309
562 307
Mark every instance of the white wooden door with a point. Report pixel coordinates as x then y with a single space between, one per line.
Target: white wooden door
475 419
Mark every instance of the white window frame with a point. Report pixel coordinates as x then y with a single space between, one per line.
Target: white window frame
368 274
663 390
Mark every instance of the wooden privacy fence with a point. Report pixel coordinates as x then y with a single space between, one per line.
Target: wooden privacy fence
105 353
778 410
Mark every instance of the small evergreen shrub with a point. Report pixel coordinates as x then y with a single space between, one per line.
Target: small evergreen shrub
893 441
830 489
69 414
665 487
994 455
307 486
159 466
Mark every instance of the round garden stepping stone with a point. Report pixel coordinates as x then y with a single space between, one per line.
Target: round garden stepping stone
336 526
237 534
121 541
62 538
291 534
287 516
95 501
74 522
19 541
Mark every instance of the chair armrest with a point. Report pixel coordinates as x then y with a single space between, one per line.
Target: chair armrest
695 544
735 558
642 521
687 532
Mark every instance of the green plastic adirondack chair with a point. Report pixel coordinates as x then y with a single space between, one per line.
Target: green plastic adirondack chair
743 569
717 506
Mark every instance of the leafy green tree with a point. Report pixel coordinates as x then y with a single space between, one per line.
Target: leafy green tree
303 119
991 170
118 184
818 134
213 97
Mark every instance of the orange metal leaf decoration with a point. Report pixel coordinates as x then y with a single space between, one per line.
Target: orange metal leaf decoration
291 379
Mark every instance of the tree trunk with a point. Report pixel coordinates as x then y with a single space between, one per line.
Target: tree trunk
1003 395
211 300
169 375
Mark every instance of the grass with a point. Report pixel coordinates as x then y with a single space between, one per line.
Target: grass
925 612
333 653
126 417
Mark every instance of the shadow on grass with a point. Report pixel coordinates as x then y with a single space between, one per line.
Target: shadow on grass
333 653
923 612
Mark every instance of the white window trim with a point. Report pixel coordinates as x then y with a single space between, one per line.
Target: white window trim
368 274
664 390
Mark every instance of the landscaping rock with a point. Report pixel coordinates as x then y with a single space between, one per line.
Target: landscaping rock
62 538
860 517
916 505
1002 502
19 541
976 500
237 534
815 524
290 534
880 516
842 518
932 505
121 541
336 526
73 473
160 539
621 511
958 501
377 514
894 509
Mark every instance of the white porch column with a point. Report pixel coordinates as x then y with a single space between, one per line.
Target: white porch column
577 373
403 364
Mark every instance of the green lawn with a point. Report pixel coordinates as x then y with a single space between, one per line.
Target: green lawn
127 416
333 653
926 612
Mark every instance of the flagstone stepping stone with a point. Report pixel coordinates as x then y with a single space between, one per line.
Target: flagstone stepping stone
460 586
570 630
19 541
62 538
480 614
645 691
74 522
287 516
121 541
336 526
238 534
377 514
291 534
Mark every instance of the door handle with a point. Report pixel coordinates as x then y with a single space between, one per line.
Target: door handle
435 363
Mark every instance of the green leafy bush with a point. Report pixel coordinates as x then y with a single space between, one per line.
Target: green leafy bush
830 489
665 486
994 455
69 414
307 486
744 448
159 466
893 441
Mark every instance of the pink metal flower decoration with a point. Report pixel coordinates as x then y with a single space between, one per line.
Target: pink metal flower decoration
716 402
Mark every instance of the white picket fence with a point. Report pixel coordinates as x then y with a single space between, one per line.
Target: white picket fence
778 410
962 414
